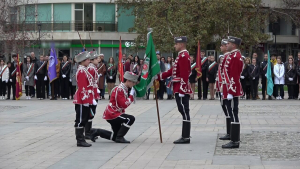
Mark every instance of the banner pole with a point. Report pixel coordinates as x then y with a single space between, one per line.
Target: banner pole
157 110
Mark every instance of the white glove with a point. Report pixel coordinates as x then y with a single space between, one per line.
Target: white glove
70 80
290 79
98 91
6 80
242 77
86 105
10 80
45 78
64 76
35 77
266 75
100 74
27 78
229 97
181 95
253 78
94 102
110 77
221 94
132 91
155 77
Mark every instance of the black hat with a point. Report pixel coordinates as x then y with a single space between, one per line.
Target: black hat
180 39
235 40
224 41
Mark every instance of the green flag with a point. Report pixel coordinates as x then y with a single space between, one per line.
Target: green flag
149 70
270 84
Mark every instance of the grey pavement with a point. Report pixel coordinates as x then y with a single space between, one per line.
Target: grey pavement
40 134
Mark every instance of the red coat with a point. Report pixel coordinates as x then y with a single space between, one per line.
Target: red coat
232 68
119 101
93 71
180 73
84 93
219 75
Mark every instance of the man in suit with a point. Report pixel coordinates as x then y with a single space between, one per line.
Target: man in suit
161 90
40 70
204 66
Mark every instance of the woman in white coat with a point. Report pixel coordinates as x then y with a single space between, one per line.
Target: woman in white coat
4 76
279 79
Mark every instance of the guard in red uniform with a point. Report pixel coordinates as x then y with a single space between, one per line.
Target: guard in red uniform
115 111
232 68
83 97
223 49
92 69
180 73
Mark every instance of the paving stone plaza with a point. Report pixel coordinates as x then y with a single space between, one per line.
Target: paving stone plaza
40 134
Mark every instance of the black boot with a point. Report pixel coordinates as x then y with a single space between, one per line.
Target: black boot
270 98
234 136
87 130
186 130
102 133
80 138
228 124
121 133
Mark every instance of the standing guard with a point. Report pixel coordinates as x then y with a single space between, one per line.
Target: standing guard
92 69
219 86
83 97
232 68
180 73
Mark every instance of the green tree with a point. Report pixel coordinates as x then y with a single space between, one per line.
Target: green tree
207 20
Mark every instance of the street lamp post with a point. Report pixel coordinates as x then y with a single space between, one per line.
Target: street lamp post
39 24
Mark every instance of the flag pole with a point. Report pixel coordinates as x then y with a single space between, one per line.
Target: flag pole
157 110
155 93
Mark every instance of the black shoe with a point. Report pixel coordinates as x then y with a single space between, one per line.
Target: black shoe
270 98
199 98
234 136
204 98
102 133
228 128
121 140
87 130
103 97
182 141
226 137
121 133
80 138
32 96
7 98
14 98
185 136
231 144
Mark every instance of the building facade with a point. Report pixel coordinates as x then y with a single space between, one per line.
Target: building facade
98 25
73 25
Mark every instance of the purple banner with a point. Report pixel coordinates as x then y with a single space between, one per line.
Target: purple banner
52 64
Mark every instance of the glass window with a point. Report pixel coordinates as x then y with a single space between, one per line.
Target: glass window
78 6
78 16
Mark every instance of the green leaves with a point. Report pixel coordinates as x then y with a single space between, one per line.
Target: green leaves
206 20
